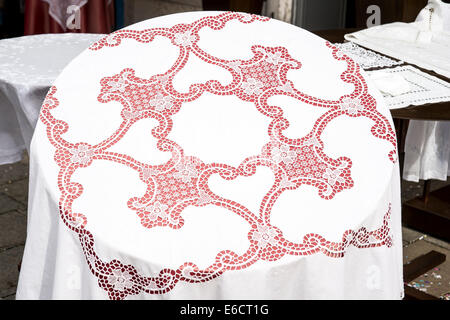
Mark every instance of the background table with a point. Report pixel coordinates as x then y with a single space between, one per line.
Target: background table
28 67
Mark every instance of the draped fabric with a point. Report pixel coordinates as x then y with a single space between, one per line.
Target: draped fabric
50 16
213 155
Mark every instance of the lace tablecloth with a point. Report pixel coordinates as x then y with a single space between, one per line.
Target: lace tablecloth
213 155
28 67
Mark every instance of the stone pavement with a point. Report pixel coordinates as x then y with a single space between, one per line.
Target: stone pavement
13 220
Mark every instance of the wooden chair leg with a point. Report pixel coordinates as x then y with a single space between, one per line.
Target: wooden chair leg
426 191
401 126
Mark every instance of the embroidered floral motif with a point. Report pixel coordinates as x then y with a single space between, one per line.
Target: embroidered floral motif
333 175
286 87
82 154
131 114
161 102
120 280
185 171
252 86
157 210
351 105
283 154
275 58
265 235
118 85
184 39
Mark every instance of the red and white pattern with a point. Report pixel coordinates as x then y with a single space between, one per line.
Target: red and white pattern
183 180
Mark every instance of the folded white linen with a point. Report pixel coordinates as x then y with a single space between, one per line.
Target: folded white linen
390 83
393 31
423 87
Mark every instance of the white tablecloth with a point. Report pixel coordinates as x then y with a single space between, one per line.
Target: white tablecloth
28 67
213 155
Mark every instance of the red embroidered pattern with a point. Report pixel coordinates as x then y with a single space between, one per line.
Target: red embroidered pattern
183 180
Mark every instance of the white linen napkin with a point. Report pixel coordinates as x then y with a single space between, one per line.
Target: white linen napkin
388 83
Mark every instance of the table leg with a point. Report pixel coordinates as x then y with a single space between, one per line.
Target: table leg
426 191
401 126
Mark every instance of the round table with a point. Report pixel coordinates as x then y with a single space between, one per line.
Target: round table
28 67
213 155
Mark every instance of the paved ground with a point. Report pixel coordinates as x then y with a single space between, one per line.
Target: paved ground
13 221
13 208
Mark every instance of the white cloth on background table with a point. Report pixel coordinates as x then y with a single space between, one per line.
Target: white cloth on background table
412 88
213 155
423 43
390 84
28 67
